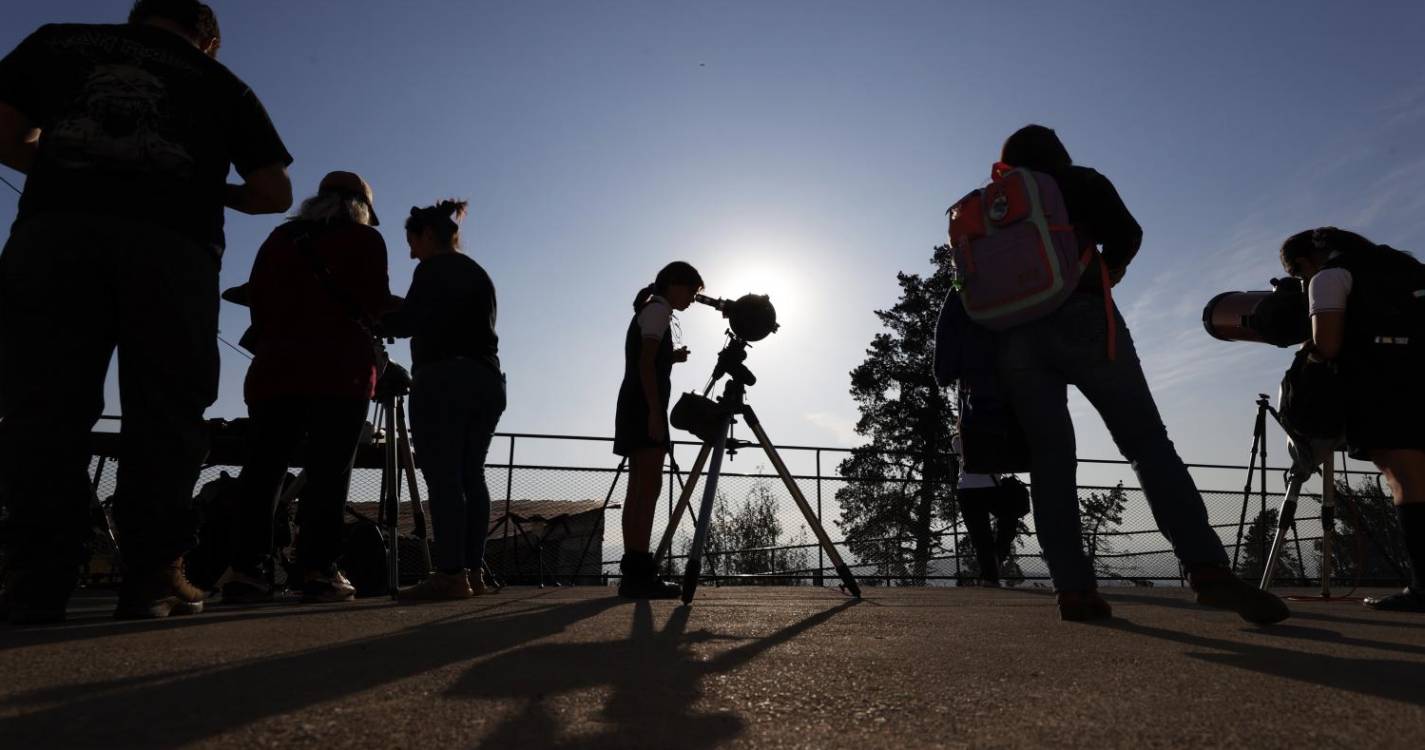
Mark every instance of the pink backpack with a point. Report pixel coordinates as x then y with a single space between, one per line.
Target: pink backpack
1015 254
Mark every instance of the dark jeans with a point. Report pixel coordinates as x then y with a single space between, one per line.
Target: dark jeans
1037 363
992 545
455 406
73 288
331 427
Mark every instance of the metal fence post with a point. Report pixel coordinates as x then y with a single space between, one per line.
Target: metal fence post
820 554
512 549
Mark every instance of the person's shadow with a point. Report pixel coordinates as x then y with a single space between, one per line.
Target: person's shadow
170 708
655 676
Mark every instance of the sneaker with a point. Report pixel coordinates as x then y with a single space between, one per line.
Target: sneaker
326 586
1219 587
158 592
242 588
30 598
439 587
640 579
1082 606
1407 600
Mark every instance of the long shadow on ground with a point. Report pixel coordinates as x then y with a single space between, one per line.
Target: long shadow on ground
1392 679
656 678
169 711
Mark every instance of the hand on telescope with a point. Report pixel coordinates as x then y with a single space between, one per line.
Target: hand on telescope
680 354
657 430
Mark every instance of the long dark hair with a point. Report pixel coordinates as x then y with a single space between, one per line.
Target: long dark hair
676 273
1328 239
443 218
1035 147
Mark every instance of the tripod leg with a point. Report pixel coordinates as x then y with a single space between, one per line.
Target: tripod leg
1328 523
603 513
695 553
848 580
391 484
1285 520
684 498
408 466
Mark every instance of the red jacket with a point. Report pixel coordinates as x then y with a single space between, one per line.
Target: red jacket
309 343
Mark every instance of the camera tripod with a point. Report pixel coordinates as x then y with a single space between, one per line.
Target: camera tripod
715 433
1308 457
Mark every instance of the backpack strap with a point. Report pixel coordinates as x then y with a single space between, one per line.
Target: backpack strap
1085 259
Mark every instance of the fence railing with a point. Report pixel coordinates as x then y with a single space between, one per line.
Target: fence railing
761 536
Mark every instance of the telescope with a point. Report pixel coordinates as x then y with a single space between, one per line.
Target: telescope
751 316
1278 317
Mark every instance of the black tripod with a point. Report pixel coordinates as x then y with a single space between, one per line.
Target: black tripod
713 423
1259 451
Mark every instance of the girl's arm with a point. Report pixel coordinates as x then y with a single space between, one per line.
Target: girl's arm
1328 328
648 376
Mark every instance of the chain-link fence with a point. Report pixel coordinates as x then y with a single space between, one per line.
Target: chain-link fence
557 504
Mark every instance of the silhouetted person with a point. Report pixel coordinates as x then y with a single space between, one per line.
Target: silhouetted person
1366 315
126 134
317 285
457 396
983 497
641 420
1040 359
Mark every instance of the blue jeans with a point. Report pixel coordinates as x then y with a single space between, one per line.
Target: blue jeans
1037 363
455 406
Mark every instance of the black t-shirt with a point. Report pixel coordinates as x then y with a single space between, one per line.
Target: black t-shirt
135 121
448 312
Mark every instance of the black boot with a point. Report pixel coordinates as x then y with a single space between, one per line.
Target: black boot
640 579
1412 599
1217 586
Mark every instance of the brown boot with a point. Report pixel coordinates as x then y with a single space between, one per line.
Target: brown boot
481 585
439 587
158 592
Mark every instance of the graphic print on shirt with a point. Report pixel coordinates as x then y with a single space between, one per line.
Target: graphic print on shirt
116 123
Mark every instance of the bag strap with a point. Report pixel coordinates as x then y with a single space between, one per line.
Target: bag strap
1085 260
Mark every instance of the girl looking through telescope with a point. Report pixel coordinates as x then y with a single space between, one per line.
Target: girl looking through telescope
641 420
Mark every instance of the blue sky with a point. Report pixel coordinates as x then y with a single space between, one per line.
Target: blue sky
809 149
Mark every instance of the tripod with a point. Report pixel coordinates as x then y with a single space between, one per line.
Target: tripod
715 427
1259 450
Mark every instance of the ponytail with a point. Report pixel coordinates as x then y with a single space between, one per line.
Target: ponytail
643 295
443 218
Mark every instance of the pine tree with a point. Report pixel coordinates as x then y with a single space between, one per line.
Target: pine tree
898 483
1100 513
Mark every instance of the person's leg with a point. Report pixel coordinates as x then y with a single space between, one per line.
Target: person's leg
1040 399
977 524
491 405
333 431
168 375
276 429
645 482
1119 392
438 429
57 336
1404 472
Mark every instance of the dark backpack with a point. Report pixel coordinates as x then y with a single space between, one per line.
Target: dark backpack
1312 402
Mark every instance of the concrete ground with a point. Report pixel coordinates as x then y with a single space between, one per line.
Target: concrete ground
743 667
